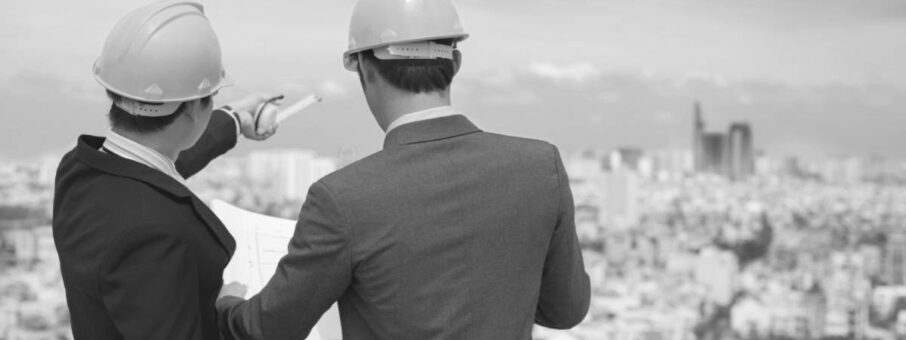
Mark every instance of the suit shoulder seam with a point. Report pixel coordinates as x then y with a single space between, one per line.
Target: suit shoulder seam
556 159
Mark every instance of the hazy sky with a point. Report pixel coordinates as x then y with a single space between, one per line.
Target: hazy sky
814 77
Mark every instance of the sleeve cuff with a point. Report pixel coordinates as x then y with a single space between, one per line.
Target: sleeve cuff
228 110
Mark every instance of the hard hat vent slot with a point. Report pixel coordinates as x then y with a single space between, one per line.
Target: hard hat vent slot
137 108
155 90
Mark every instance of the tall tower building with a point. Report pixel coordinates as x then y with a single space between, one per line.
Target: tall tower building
698 130
715 154
741 153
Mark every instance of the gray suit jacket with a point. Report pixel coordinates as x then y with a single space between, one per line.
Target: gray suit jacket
448 233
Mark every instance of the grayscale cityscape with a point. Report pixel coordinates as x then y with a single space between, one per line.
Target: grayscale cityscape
738 168
720 241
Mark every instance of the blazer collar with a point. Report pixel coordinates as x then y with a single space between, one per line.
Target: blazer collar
430 130
87 152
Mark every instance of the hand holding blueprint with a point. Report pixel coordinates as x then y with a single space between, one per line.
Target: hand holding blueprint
260 243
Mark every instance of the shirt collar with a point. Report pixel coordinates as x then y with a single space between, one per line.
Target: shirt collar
134 151
430 130
435 112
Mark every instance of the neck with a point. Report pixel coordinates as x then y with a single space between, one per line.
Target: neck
399 104
161 142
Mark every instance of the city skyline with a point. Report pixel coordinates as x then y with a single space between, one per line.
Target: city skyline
672 253
815 78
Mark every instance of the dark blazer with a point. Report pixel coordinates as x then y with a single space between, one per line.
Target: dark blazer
448 233
141 256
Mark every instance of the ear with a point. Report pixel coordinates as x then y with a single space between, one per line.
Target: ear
365 69
351 62
192 110
457 61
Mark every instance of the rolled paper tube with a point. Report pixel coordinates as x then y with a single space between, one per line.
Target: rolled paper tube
295 108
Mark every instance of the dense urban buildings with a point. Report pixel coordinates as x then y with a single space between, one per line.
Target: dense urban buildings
789 249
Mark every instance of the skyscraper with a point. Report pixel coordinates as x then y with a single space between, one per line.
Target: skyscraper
715 157
729 154
698 130
741 153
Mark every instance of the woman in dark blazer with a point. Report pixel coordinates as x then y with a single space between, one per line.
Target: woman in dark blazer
141 256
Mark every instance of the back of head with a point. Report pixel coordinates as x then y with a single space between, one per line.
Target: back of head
415 75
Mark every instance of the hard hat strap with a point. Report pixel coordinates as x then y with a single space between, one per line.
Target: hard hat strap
416 50
137 108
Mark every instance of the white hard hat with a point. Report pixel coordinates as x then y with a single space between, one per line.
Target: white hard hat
404 24
165 52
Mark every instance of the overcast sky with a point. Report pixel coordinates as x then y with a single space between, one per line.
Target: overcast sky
814 77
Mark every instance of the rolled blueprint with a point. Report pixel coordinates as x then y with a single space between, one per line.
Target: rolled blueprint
272 113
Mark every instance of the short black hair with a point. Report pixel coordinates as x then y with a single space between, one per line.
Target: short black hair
416 75
121 119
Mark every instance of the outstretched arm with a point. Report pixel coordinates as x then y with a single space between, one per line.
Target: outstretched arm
223 130
219 137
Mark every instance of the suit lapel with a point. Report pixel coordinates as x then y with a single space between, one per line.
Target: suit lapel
87 152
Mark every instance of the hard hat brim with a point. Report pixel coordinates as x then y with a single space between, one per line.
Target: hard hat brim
456 37
225 81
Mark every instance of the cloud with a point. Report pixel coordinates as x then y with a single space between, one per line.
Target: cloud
575 106
666 118
37 82
43 112
326 88
577 72
518 97
609 97
293 87
693 77
503 78
332 88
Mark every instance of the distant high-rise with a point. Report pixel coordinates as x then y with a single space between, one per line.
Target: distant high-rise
289 173
741 152
625 158
729 154
715 157
698 130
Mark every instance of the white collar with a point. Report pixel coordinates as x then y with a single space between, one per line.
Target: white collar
435 112
132 150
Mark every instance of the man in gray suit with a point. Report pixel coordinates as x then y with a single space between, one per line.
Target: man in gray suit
449 232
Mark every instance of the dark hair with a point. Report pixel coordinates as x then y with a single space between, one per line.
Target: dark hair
415 75
123 120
